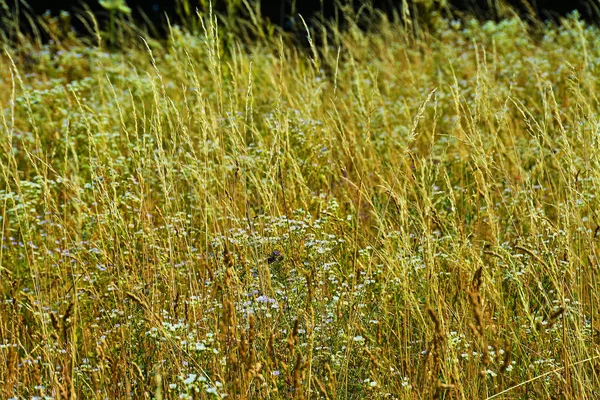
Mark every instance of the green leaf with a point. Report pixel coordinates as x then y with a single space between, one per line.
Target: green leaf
115 5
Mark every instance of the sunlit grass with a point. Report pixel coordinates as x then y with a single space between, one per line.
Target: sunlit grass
391 215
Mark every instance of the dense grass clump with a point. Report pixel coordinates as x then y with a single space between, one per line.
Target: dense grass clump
400 213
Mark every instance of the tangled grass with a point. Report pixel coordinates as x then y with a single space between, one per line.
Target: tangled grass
389 215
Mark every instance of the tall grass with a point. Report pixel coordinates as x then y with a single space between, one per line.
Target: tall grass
390 214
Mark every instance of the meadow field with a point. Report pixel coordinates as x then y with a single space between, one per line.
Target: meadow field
407 211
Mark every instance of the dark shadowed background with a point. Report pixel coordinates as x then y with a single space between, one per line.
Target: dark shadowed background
284 12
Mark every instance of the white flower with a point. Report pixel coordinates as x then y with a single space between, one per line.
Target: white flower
190 379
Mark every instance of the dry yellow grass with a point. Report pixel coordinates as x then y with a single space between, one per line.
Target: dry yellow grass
393 215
